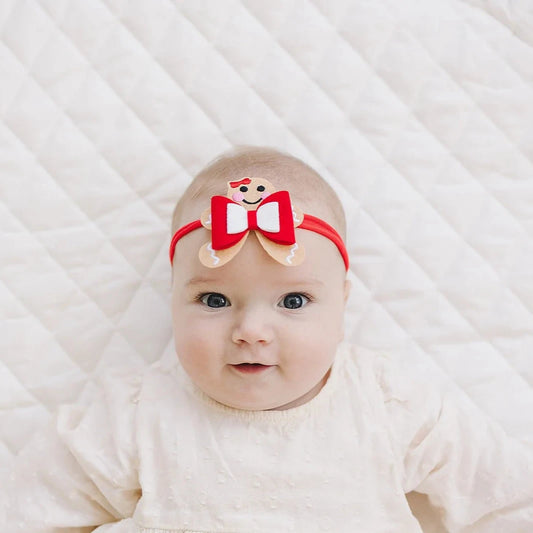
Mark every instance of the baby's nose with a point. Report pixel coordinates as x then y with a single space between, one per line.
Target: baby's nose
252 326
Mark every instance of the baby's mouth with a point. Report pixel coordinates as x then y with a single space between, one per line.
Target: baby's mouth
251 368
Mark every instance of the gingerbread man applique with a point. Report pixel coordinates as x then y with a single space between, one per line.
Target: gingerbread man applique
251 205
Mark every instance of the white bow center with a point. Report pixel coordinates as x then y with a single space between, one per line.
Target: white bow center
267 218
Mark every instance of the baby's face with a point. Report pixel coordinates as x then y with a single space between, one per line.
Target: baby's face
254 334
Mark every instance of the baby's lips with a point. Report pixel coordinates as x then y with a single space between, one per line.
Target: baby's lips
251 368
250 364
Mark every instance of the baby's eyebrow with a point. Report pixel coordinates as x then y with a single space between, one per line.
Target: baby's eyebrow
304 282
200 280
294 283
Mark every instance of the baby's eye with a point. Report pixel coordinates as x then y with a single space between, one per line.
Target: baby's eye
261 188
214 300
294 300
243 188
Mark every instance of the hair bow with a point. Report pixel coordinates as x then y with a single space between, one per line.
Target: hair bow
230 220
256 206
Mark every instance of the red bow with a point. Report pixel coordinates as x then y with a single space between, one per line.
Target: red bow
230 221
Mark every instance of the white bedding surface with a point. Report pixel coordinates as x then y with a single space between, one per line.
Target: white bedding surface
419 114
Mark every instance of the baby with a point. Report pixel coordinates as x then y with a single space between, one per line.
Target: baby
254 333
267 421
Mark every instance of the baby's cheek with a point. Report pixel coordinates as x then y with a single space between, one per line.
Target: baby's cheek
237 197
265 195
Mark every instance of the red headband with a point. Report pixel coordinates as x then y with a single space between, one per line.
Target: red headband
310 223
254 204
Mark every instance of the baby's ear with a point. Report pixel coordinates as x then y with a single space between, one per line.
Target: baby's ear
347 289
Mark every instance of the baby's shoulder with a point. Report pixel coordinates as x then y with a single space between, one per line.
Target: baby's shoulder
387 372
368 364
117 388
112 402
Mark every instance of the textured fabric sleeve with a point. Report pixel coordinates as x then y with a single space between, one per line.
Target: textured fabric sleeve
81 471
479 477
123 526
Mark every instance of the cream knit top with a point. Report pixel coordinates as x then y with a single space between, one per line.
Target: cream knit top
153 454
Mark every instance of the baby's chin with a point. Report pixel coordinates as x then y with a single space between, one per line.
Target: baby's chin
258 406
269 404
248 404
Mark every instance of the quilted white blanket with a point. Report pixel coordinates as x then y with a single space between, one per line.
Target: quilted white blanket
419 113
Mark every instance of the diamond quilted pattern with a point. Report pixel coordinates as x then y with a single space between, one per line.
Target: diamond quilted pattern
418 114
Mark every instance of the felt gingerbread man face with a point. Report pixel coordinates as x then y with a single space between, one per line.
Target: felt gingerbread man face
248 193
251 204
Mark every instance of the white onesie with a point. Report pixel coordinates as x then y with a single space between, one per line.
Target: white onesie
155 455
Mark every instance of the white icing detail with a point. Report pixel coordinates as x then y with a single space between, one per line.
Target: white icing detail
289 257
216 259
268 217
295 216
236 218
208 222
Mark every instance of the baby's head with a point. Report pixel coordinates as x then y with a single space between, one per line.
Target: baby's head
253 333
